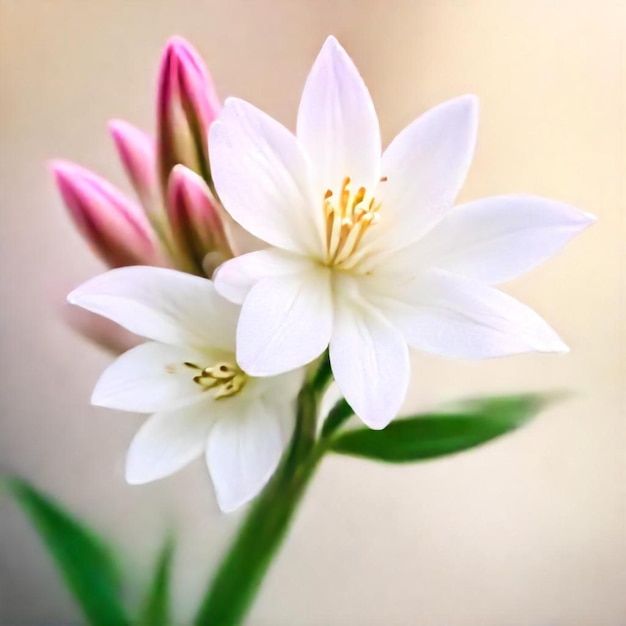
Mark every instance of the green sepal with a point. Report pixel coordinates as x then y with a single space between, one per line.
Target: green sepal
421 437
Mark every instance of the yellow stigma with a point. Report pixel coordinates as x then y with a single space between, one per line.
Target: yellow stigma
348 216
222 379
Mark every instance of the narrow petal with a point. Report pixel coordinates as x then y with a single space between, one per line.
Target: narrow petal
243 452
424 168
161 304
285 322
463 318
498 239
151 377
236 277
263 179
370 363
337 122
167 442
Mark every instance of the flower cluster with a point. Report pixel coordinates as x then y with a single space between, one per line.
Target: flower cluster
178 221
362 254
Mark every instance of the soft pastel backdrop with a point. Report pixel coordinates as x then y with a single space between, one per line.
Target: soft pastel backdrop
528 531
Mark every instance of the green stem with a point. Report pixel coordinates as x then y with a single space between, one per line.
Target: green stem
242 570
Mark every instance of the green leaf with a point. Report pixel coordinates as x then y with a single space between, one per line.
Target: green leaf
421 437
336 417
156 610
83 560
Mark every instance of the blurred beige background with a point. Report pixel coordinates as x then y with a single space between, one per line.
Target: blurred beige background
527 531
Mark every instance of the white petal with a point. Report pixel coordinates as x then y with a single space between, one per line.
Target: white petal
370 363
161 304
150 377
243 452
498 239
463 318
263 178
337 122
425 166
285 322
235 278
284 387
167 442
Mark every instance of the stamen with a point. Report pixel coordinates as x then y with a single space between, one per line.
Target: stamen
347 221
224 379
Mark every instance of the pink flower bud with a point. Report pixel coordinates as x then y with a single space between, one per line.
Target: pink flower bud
187 105
114 226
136 151
196 224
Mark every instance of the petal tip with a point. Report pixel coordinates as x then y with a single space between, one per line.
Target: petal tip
228 506
376 423
73 297
589 218
133 477
471 103
561 347
135 472
332 43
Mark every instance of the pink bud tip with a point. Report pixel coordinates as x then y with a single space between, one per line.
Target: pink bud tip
195 220
136 151
113 225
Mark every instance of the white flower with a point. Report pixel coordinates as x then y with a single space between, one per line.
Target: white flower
367 254
189 378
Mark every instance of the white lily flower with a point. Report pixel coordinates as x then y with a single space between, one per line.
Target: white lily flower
367 254
187 375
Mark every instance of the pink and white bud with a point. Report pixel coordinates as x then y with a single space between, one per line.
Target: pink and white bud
137 153
196 223
187 105
114 226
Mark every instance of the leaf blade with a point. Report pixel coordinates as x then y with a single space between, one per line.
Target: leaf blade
432 435
83 560
156 610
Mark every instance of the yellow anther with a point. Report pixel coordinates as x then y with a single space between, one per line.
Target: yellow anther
347 219
224 379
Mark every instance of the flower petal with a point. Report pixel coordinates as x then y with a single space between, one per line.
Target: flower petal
243 452
161 304
462 318
234 278
167 442
498 239
425 166
151 377
285 322
337 122
370 362
262 177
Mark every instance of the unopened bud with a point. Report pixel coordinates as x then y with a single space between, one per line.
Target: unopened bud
196 223
115 227
136 151
187 105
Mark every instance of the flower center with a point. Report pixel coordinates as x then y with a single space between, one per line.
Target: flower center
222 379
348 216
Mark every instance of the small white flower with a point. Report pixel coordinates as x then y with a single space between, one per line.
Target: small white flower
367 253
189 378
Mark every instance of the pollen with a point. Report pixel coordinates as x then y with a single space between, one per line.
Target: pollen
348 216
221 380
